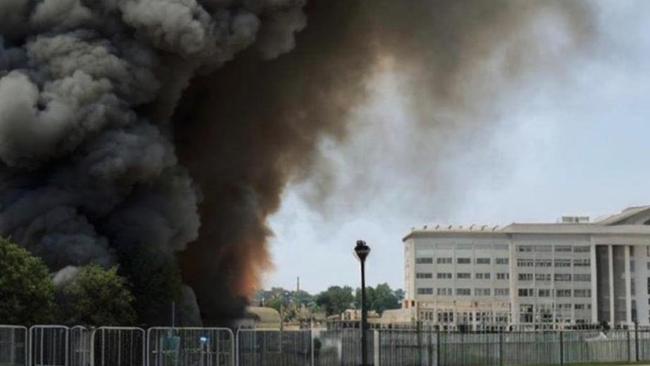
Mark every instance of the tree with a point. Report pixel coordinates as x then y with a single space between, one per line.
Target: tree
96 296
26 288
335 299
379 298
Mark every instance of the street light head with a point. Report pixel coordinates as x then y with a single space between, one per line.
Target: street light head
362 250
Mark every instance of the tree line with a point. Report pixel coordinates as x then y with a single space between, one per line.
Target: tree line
333 301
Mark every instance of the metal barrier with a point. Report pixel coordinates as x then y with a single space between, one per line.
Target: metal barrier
48 345
80 346
56 345
13 345
168 346
263 347
118 346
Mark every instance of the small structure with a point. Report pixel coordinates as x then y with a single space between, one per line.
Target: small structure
261 318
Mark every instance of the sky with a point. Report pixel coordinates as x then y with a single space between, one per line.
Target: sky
571 144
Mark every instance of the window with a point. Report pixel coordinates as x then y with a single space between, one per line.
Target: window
648 265
524 248
563 249
502 292
582 277
543 263
503 276
425 291
463 260
463 275
526 292
482 260
443 260
581 249
426 260
562 263
507 261
482 292
526 313
563 293
582 293
423 275
463 292
562 277
482 276
525 262
525 277
443 276
582 262
542 276
445 292
544 292
580 306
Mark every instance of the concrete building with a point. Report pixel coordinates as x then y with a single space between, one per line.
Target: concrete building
531 276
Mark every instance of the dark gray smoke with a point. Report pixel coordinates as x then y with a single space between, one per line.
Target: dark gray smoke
89 171
90 125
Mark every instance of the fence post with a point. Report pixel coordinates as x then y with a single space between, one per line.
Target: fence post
376 348
636 341
561 348
311 339
438 349
430 348
629 346
500 348
418 329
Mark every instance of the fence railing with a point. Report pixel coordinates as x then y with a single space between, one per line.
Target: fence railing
56 345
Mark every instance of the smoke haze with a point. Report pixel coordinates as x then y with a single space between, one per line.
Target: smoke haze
136 132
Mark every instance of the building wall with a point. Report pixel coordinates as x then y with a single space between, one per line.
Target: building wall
483 280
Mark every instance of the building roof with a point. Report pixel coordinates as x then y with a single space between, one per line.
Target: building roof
631 221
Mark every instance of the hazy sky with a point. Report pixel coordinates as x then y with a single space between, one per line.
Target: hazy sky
575 143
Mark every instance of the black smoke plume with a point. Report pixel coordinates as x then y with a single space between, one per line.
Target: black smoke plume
160 134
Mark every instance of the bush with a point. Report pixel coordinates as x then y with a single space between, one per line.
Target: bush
26 288
96 296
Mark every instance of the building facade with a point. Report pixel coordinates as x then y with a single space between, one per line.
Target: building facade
574 273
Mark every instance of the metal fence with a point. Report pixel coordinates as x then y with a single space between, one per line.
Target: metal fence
117 346
13 345
190 346
55 345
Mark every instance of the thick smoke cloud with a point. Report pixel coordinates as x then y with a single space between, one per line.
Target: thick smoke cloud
135 131
252 126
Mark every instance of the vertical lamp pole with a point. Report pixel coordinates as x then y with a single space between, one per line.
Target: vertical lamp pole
362 250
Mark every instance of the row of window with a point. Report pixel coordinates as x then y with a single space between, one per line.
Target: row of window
530 292
557 248
580 277
461 260
528 308
586 262
462 275
464 291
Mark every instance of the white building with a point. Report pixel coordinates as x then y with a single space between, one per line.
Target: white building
531 276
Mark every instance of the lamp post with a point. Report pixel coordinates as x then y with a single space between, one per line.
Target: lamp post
362 250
